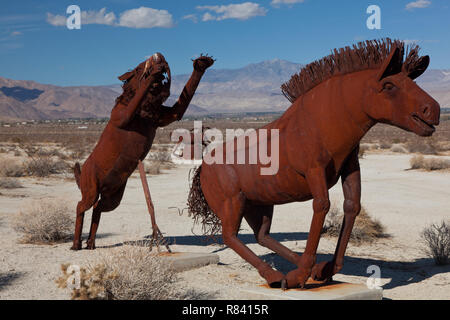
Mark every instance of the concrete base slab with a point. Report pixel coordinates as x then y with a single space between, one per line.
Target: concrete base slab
334 290
182 261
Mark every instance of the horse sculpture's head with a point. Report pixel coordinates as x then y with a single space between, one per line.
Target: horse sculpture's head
159 90
395 97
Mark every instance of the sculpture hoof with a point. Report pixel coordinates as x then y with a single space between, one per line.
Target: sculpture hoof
323 271
76 247
274 278
297 278
90 246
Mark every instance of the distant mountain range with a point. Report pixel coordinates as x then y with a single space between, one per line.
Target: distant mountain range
253 88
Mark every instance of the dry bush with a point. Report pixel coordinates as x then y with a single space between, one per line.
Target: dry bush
8 183
43 166
11 168
365 230
152 167
399 148
437 240
45 222
127 273
161 154
430 164
423 146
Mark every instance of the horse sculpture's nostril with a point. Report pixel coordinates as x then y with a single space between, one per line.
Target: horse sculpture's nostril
426 111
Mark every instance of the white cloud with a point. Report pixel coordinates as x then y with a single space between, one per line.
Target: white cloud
56 20
191 17
87 17
16 33
411 41
277 3
208 16
418 4
135 18
98 17
146 18
242 11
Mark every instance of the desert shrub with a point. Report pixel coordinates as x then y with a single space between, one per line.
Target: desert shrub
11 168
152 167
161 155
437 242
422 145
430 164
385 145
127 273
366 229
45 221
399 148
8 183
42 166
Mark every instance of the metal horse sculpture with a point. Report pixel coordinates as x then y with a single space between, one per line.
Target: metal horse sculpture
335 101
127 139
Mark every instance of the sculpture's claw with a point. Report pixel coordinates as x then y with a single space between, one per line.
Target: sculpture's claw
158 239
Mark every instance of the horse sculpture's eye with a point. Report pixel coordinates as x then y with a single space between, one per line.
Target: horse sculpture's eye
388 86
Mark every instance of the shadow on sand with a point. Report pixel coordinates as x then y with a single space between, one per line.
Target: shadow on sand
8 278
400 273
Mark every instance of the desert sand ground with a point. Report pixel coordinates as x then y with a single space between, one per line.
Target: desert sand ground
405 201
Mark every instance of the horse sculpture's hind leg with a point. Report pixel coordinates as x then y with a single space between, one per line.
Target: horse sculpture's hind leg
89 192
231 216
105 204
351 186
260 219
317 182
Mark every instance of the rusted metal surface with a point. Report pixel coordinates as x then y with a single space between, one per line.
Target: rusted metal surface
335 101
128 137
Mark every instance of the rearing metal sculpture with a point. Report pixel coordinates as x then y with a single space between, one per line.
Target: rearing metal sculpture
335 101
128 137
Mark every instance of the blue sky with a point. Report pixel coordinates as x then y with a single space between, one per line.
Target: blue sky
36 45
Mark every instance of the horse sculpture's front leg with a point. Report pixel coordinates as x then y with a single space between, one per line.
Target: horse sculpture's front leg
351 185
317 182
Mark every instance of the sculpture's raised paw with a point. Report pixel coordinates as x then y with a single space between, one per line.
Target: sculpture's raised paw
203 62
297 278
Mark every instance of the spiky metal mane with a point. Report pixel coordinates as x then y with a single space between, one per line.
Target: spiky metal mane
362 56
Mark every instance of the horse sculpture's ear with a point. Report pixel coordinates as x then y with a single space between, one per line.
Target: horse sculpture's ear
392 65
126 76
418 68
